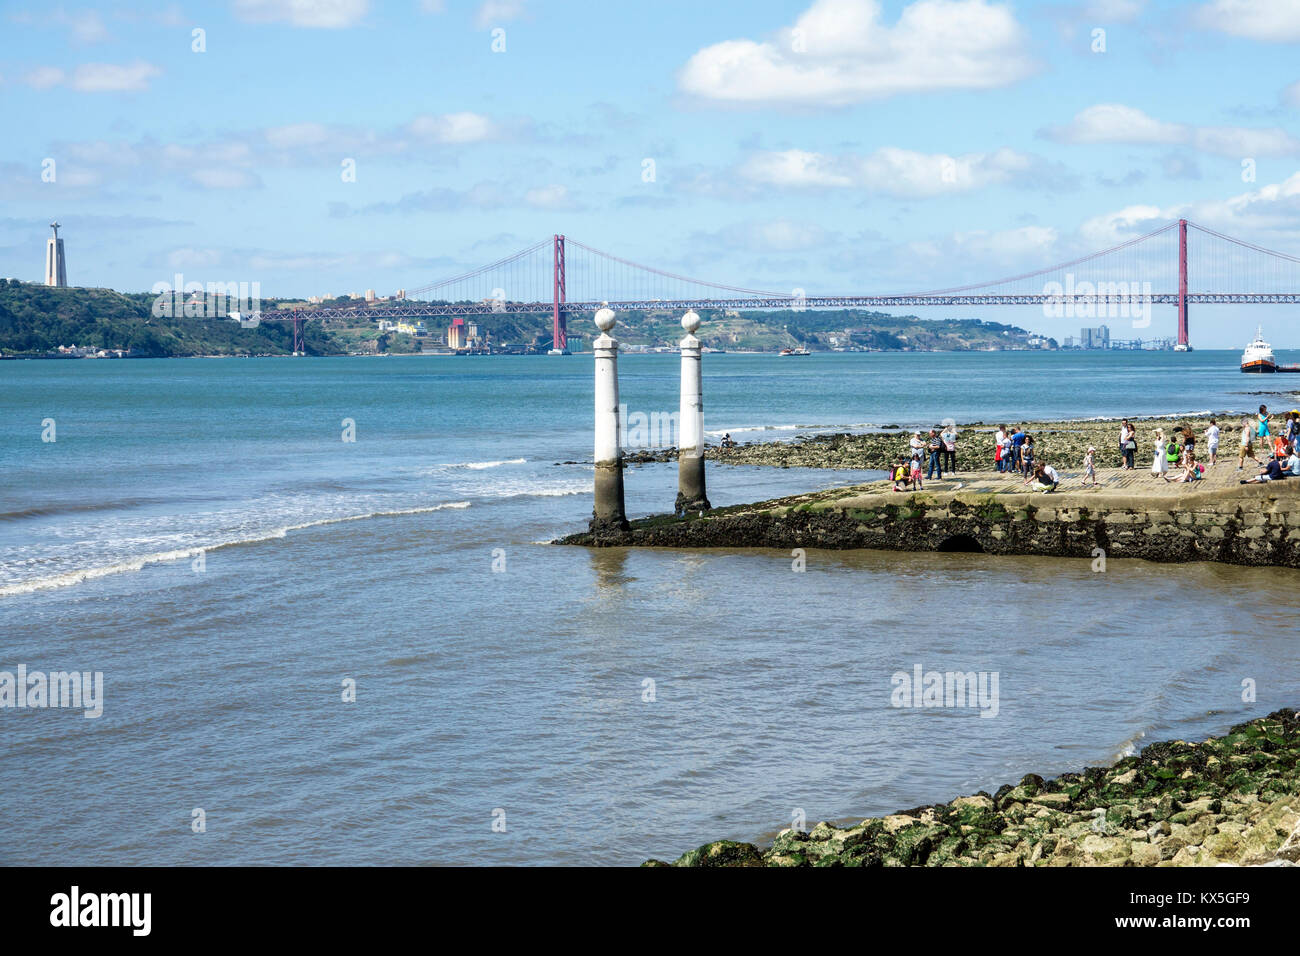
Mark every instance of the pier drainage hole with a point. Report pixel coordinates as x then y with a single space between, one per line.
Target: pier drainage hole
961 543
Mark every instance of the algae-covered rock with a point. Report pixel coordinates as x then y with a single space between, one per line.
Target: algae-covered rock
1233 799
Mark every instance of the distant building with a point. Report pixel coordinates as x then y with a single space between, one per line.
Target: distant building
370 295
456 334
56 267
1098 338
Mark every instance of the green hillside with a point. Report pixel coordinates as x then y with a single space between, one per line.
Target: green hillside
36 320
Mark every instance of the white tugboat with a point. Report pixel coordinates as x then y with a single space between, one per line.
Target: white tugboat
1258 357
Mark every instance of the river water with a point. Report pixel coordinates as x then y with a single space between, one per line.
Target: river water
200 533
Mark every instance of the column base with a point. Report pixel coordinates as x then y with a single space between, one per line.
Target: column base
688 503
608 527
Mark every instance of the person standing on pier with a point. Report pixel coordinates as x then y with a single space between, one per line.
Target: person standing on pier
1247 449
1160 464
950 448
999 440
1212 441
1017 447
1090 467
934 447
1127 445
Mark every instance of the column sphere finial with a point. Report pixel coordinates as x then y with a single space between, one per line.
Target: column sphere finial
605 319
691 321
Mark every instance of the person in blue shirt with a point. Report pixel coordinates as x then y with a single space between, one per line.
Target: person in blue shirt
1017 443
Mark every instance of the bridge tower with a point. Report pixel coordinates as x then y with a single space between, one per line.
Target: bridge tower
559 332
1182 286
299 347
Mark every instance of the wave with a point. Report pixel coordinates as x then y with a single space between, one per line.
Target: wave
480 465
81 575
80 507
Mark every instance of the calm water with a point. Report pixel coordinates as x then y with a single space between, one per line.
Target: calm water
522 689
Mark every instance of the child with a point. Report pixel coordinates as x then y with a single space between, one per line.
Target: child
916 474
1027 455
1212 439
1090 467
900 474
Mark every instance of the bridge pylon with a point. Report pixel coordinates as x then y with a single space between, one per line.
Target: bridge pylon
1183 345
559 330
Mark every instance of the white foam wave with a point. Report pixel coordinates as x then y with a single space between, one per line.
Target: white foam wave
480 465
68 578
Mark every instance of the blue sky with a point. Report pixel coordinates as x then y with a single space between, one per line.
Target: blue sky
836 146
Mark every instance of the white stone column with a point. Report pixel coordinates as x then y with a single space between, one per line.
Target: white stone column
690 424
608 513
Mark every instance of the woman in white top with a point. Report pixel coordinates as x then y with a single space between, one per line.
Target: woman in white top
1212 437
1161 464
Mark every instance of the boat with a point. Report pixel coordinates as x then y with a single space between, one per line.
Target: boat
784 353
1258 357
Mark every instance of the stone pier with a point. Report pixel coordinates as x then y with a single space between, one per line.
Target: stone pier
1257 524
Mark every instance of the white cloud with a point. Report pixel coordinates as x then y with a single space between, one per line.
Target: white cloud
493 13
769 236
1274 21
1112 228
324 14
190 258
1116 123
1115 11
224 177
274 261
795 167
549 197
453 128
85 26
44 77
889 170
1265 215
839 52
985 250
96 77
297 135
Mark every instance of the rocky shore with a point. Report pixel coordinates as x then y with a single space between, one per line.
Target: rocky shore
1229 800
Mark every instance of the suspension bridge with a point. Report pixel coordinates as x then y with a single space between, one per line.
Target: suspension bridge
1179 264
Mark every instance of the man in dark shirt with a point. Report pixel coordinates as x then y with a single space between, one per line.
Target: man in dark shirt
934 446
1273 471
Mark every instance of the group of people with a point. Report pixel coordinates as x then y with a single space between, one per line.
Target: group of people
1174 459
938 450
1014 454
1283 448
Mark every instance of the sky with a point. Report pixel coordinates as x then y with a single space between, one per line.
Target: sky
837 146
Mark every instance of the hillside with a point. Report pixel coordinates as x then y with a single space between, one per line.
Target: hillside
37 320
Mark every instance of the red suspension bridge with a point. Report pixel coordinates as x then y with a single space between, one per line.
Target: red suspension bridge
563 277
